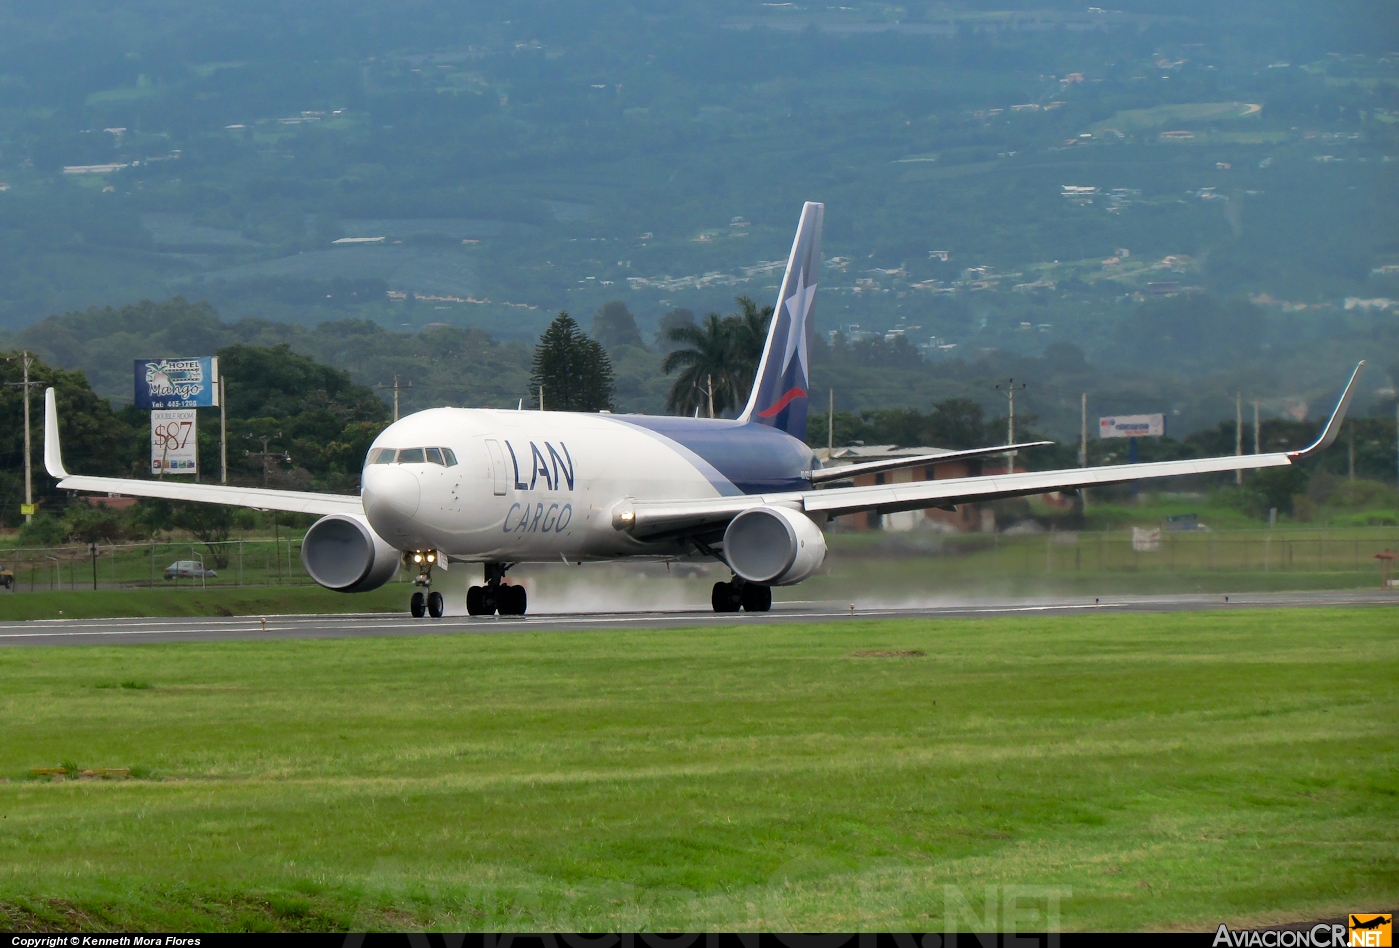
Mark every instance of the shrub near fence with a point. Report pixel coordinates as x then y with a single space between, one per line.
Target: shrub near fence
1348 551
1323 551
133 565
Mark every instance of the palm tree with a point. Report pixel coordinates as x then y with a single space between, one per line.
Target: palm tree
706 358
722 353
750 334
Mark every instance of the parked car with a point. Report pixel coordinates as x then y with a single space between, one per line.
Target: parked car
188 569
7 576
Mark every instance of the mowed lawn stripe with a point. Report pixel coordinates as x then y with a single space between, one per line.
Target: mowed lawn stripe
1178 768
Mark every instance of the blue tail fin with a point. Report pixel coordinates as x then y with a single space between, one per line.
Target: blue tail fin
780 390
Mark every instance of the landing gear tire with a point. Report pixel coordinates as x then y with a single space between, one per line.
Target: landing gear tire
481 601
756 597
726 597
513 600
495 595
436 605
475 605
418 605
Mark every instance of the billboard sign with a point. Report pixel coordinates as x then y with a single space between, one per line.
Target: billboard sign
174 447
1132 426
177 383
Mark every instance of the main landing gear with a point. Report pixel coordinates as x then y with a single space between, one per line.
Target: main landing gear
496 596
424 601
740 594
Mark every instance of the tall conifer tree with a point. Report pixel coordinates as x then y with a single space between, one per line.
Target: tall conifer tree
573 370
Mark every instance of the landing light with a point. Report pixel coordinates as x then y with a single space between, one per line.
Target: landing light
432 557
417 557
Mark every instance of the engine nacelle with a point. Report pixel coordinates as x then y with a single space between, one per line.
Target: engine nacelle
775 546
342 552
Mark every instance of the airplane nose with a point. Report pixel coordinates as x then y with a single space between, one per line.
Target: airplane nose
390 493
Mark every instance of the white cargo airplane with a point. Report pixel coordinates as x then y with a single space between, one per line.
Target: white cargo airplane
501 488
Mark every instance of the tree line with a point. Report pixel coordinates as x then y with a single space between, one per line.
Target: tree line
714 362
296 422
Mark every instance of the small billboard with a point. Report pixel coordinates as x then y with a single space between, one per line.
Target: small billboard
1132 426
174 446
177 383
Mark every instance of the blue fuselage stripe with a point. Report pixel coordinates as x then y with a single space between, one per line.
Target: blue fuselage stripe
752 458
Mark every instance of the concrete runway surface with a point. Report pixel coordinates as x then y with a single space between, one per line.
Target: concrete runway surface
213 629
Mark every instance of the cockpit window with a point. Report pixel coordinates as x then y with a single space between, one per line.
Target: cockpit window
443 456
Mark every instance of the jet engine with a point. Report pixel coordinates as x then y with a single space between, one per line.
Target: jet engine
342 552
774 546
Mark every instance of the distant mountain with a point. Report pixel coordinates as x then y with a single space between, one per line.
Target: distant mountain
997 178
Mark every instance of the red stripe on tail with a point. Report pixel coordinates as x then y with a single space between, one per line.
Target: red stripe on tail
782 402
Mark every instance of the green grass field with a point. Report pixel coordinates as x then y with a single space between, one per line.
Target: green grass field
1152 771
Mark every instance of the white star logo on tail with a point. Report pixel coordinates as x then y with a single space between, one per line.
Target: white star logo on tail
798 306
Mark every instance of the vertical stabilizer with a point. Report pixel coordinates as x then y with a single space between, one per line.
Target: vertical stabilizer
780 389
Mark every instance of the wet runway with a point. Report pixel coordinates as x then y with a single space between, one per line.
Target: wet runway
131 631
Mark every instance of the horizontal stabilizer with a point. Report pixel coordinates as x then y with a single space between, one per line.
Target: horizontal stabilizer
844 472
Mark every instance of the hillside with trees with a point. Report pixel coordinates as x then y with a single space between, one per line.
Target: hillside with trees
996 178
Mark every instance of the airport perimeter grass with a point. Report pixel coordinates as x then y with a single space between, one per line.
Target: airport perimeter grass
1153 770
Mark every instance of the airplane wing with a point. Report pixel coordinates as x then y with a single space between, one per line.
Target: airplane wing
700 516
258 497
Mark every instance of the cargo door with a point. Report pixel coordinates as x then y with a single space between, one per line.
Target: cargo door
497 462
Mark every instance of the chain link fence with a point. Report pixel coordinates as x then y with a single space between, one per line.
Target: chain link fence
184 564
158 564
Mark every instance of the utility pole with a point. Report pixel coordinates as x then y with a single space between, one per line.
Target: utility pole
1256 439
223 430
1239 434
26 360
709 381
265 441
541 398
831 426
396 388
1083 430
1008 390
266 453
1350 453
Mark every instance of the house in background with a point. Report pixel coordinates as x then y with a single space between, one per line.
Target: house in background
967 518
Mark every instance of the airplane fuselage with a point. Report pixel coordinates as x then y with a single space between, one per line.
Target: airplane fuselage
530 486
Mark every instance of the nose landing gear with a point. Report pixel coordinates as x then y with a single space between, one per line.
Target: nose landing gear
424 601
496 596
740 594
432 604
